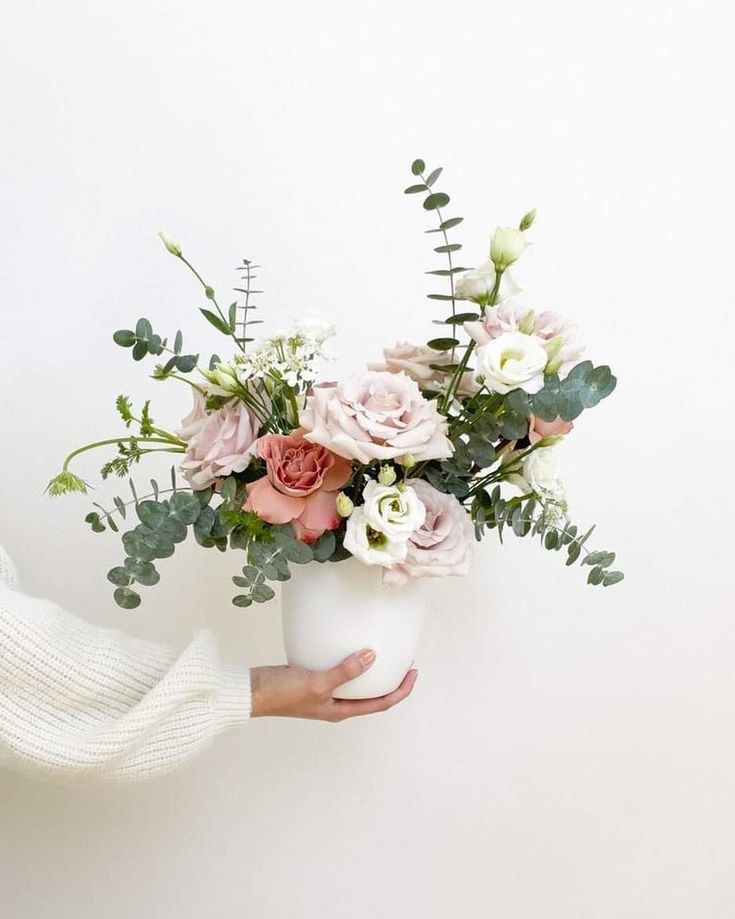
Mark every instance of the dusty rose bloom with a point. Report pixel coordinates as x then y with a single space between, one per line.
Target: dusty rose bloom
300 486
414 360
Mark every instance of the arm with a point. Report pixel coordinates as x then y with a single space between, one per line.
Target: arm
77 700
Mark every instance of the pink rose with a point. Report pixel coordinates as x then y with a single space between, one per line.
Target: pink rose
538 428
378 416
507 317
218 444
300 486
414 360
442 545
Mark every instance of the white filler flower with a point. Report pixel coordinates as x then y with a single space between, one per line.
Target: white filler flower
512 361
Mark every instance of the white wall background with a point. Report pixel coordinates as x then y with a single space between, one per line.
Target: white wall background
569 752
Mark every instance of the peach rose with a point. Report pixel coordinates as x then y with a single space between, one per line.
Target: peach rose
538 428
300 486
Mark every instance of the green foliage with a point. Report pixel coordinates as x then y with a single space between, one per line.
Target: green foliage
145 341
66 483
526 514
584 387
129 454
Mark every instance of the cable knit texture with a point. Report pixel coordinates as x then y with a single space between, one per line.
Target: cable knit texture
77 700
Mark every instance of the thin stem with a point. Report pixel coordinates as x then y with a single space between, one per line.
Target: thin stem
116 440
212 299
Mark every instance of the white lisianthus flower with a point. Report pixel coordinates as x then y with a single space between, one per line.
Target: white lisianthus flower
542 470
542 474
369 545
393 510
507 246
512 361
477 285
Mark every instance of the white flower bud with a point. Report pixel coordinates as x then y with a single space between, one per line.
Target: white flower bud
172 247
407 460
387 475
507 246
345 505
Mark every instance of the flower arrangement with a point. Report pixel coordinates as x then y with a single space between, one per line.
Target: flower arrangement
402 466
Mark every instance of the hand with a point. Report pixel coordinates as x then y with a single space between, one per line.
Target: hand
294 692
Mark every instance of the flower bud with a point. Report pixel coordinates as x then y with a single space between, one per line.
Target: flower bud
507 246
345 505
172 247
407 460
387 475
527 220
526 325
225 376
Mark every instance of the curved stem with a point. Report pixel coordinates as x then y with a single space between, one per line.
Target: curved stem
116 440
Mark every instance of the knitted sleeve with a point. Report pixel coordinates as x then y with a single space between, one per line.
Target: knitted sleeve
77 700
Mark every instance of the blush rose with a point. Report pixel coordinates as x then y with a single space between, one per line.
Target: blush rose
300 486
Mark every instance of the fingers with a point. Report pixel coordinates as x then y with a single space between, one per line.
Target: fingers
348 709
350 668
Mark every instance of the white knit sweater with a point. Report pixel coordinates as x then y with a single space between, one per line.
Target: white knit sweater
77 700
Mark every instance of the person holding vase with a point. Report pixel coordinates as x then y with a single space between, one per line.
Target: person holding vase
80 701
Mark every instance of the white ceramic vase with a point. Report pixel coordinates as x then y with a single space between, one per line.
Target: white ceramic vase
331 610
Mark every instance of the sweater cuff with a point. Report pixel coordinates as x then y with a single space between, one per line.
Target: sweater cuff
235 699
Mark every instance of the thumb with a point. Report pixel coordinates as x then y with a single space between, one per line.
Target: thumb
350 668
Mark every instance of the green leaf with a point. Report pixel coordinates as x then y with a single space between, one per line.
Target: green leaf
185 507
433 175
93 519
127 598
232 316
119 576
596 576
459 318
451 222
417 167
603 559
612 577
143 329
229 488
263 593
216 321
573 553
442 344
415 189
140 350
242 600
436 200
450 247
125 338
178 342
440 297
185 363
323 548
143 572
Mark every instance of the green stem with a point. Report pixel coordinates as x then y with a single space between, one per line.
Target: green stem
213 300
459 372
114 440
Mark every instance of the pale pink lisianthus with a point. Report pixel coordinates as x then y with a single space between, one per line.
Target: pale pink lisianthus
507 317
538 428
377 416
300 486
218 443
442 545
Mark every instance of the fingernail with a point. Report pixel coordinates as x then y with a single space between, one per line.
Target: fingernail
366 658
